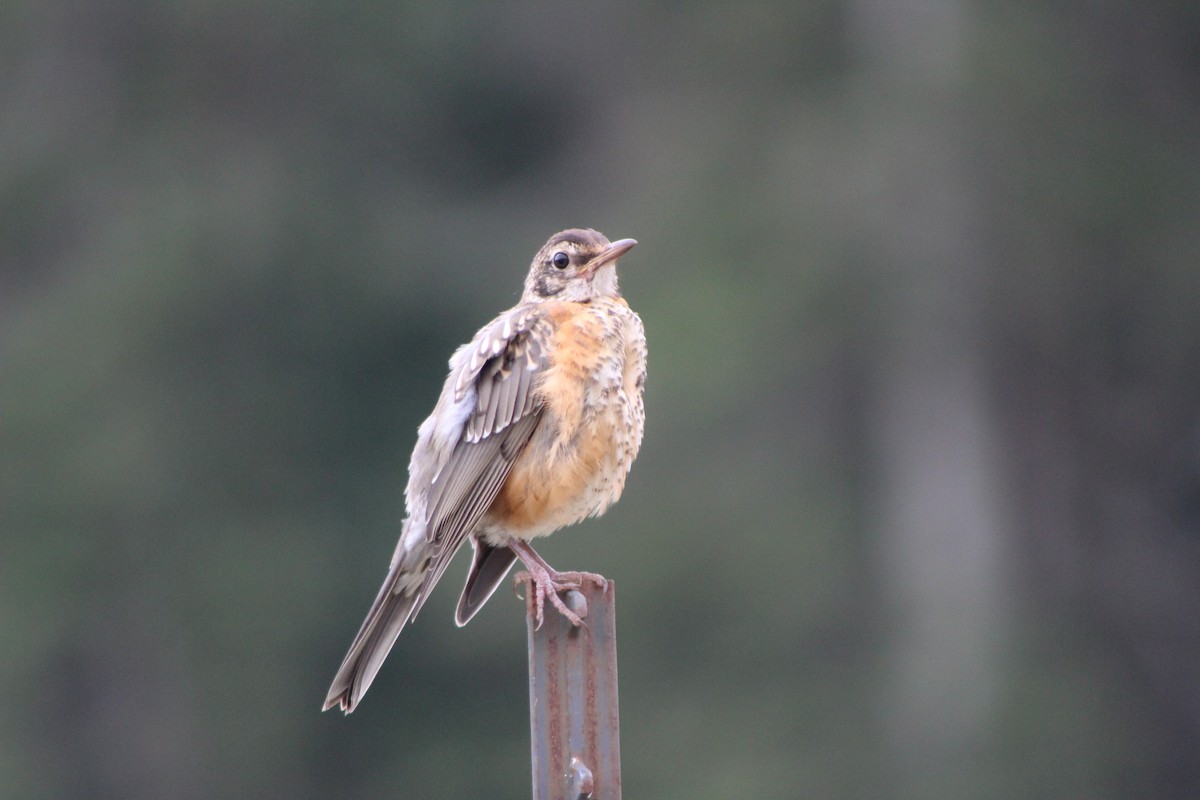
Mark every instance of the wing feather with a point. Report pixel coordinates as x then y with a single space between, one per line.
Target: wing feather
485 385
505 359
489 417
524 397
505 410
493 468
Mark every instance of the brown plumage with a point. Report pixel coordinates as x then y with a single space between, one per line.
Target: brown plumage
536 427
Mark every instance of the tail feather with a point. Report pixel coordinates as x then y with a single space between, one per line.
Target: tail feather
391 611
488 568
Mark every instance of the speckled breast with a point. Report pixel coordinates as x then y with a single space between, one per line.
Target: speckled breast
576 463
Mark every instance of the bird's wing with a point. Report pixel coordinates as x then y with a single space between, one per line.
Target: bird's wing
488 410
500 372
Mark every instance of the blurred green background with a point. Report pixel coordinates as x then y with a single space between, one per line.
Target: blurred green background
918 505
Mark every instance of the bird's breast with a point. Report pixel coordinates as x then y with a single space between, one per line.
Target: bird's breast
575 464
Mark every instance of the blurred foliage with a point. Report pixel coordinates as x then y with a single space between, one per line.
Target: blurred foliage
238 243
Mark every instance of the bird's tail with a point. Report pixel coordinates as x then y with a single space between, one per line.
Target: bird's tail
397 603
488 568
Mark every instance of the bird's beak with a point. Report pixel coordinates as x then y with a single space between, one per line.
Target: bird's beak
611 253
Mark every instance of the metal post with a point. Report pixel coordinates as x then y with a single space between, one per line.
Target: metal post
573 698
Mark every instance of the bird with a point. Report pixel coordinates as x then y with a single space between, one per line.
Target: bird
536 428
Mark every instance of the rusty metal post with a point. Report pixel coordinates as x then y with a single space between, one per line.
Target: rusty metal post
573 698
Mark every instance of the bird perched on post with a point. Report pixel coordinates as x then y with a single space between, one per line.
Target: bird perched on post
536 427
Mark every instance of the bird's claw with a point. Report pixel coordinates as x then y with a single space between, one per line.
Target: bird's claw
548 584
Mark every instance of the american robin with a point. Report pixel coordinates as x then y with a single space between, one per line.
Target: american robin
536 428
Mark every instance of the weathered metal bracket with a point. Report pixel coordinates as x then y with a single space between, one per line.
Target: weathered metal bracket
573 697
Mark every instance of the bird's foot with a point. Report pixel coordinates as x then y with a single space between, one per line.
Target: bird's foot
548 583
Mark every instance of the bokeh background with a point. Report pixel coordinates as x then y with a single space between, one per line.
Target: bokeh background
918 505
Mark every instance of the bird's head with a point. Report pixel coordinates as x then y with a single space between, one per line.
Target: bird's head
577 265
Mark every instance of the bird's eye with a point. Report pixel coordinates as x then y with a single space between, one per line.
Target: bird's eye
561 260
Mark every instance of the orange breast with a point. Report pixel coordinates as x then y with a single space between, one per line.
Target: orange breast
569 463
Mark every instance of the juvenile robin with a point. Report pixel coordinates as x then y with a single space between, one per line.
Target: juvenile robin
536 428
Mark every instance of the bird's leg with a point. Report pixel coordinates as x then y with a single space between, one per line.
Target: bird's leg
548 582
